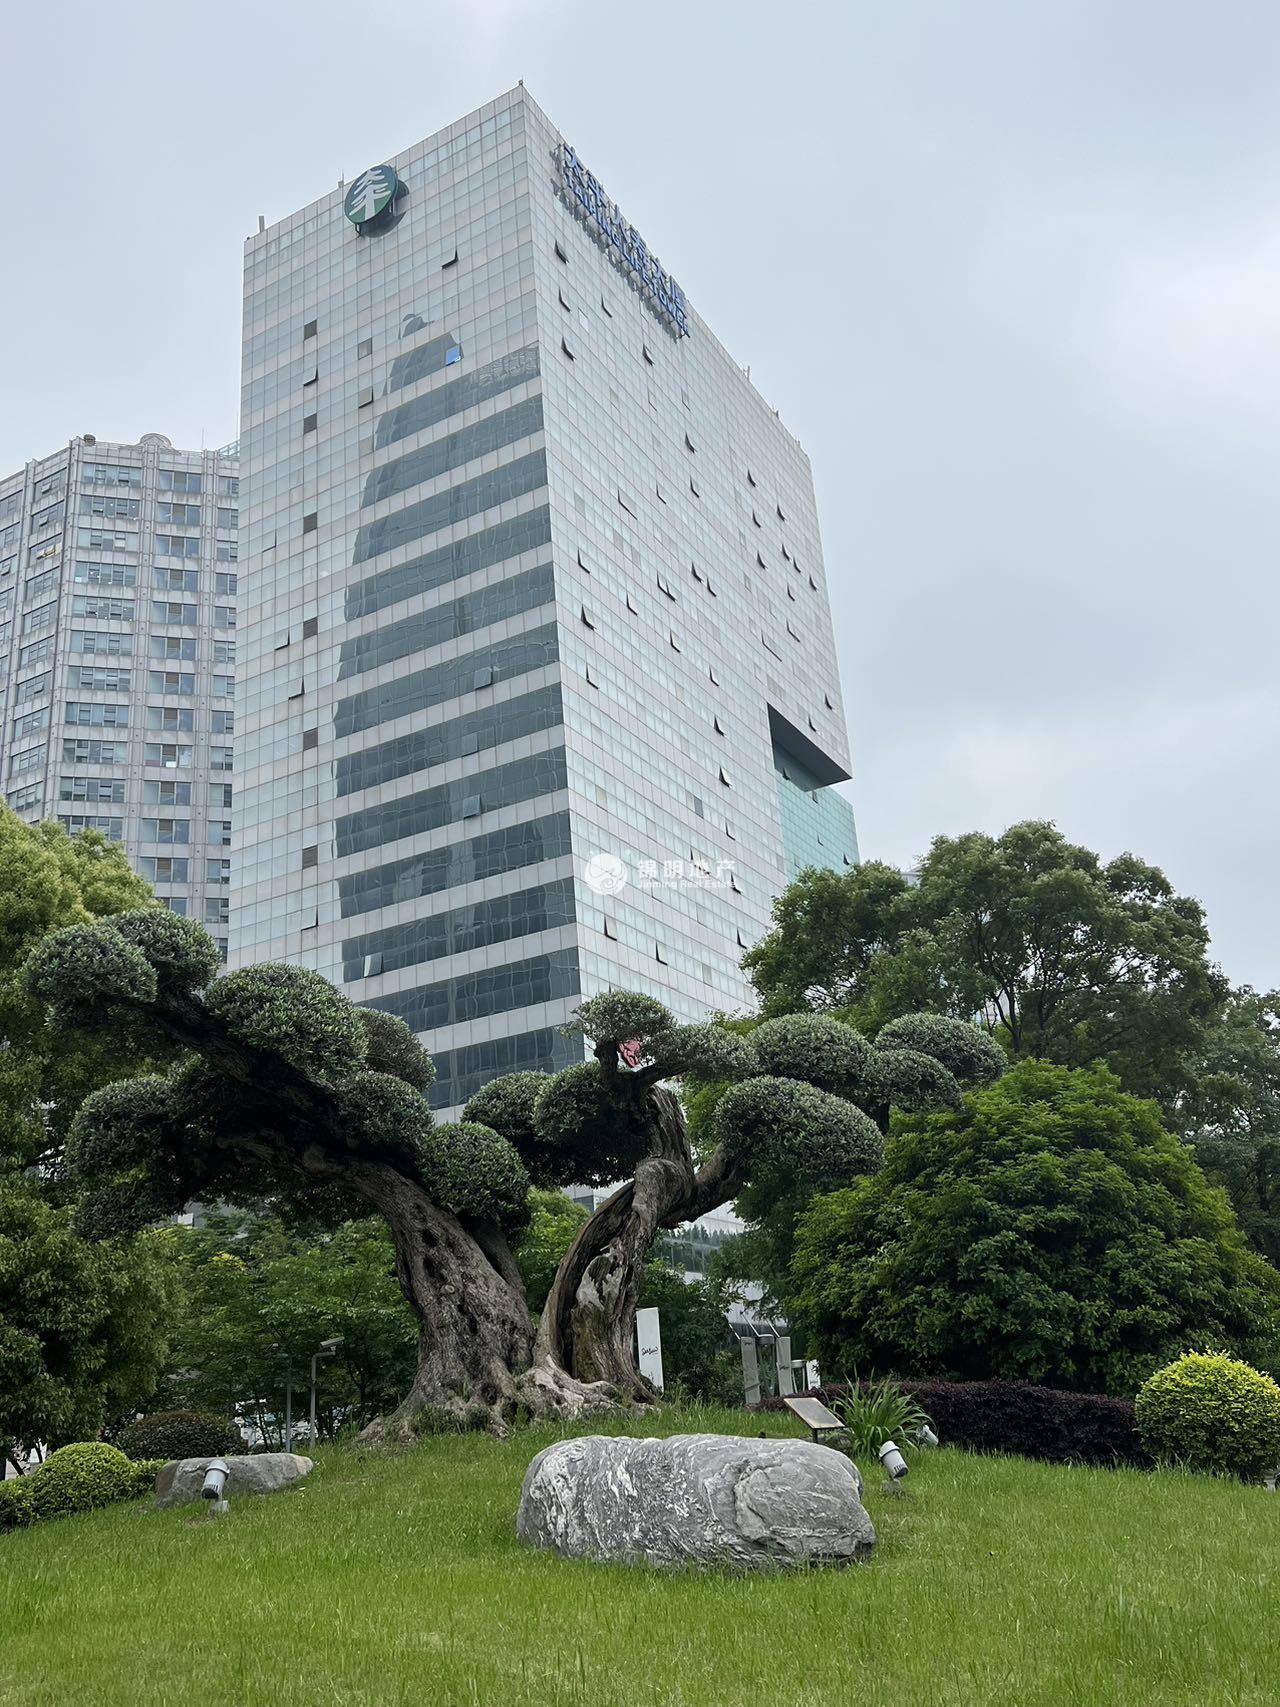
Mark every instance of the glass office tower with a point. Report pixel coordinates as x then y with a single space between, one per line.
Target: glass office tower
538 692
117 656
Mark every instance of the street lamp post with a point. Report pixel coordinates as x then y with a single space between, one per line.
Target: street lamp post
327 1349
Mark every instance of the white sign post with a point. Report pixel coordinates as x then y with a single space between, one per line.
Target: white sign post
750 1369
649 1346
786 1380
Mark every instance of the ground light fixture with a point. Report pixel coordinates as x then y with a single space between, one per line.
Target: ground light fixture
211 1489
327 1349
895 1464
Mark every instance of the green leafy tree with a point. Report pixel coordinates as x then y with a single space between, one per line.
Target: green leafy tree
1052 1230
555 1221
1230 1113
83 1327
49 879
1067 958
259 1296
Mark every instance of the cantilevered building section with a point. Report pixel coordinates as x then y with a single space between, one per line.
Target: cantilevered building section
117 656
534 618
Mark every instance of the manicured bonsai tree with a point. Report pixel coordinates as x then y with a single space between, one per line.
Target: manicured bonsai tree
804 1102
290 1090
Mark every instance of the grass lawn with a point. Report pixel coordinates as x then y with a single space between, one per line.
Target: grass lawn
383 1581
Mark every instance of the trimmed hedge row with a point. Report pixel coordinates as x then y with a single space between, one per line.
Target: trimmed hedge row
74 1478
1030 1422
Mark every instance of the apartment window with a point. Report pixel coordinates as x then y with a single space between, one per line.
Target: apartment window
166 793
217 909
176 580
166 831
97 716
171 681
224 651
179 647
171 754
223 722
217 871
35 687
310 858
170 610
224 585
99 645
180 480
172 719
177 545
164 868
220 759
224 616
32 759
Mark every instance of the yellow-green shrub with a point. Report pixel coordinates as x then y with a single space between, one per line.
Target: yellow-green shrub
1209 1411
79 1477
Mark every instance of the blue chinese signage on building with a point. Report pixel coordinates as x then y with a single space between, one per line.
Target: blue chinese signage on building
589 201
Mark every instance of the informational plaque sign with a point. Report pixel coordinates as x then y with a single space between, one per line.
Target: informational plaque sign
814 1415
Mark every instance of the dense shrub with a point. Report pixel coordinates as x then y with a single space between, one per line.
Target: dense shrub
1053 1232
1210 1412
16 1507
145 1471
179 1434
1031 1422
80 1477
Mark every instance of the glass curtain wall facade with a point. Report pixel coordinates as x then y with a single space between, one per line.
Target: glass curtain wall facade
532 595
117 656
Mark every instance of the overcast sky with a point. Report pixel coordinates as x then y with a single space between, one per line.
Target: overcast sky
1010 269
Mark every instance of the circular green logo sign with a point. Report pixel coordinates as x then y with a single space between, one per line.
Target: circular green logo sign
371 194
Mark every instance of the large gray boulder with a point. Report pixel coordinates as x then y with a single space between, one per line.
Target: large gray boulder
181 1479
706 1499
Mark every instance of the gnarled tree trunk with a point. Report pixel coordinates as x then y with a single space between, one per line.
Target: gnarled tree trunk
475 1334
588 1322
